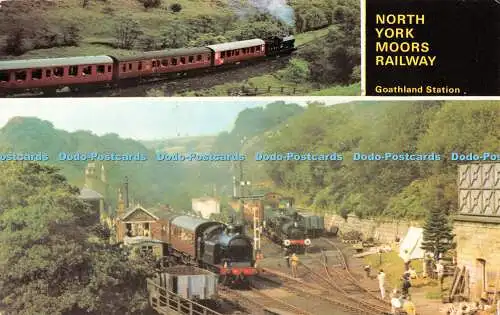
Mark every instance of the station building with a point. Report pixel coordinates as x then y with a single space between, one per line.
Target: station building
477 228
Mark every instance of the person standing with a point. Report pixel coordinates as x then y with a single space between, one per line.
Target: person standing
440 273
295 263
287 257
381 283
406 286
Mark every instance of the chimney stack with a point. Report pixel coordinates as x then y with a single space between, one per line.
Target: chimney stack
127 205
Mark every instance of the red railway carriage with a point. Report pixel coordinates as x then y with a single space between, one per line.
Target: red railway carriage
54 72
235 52
162 61
185 230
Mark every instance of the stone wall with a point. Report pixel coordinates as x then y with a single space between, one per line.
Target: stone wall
478 245
384 231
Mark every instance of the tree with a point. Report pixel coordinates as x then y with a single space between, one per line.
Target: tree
127 33
175 7
437 236
50 260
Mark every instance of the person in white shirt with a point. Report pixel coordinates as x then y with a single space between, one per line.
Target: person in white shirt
381 283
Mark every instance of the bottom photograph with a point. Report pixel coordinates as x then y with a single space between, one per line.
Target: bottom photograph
154 206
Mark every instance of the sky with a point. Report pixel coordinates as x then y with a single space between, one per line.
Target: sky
137 118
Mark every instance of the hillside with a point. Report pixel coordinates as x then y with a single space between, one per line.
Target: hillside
329 31
150 181
399 189
182 144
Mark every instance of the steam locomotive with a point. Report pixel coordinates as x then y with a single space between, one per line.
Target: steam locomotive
286 230
223 249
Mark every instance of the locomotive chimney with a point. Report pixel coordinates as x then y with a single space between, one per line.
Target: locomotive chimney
127 205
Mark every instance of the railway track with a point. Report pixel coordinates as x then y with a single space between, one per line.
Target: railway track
257 299
340 278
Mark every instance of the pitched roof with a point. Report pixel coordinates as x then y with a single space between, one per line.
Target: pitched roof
134 209
89 194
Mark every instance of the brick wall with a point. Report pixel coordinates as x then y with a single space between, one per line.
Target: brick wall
383 230
478 241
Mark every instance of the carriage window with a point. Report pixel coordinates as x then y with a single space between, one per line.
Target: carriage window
191 59
164 62
140 66
223 54
124 68
208 58
48 73
198 58
4 76
109 68
252 49
73 71
59 72
237 52
229 53
36 74
100 69
183 60
257 48
154 63
244 50
21 75
87 70
130 66
174 61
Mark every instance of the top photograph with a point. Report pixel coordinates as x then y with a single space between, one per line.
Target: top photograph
163 48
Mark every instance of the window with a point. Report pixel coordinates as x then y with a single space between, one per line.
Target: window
244 50
173 61
20 75
183 60
208 58
36 74
154 64
222 54
73 71
109 69
252 49
164 62
237 52
4 76
87 70
100 69
191 59
140 65
130 66
198 58
257 48
59 72
228 53
48 73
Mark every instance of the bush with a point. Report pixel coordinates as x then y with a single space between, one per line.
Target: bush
175 7
150 3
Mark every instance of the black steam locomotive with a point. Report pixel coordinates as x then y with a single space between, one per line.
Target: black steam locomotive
215 246
286 230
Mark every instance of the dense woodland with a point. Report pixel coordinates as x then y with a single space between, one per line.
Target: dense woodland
52 258
127 26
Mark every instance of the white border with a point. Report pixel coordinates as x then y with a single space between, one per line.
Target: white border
363 46
227 99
